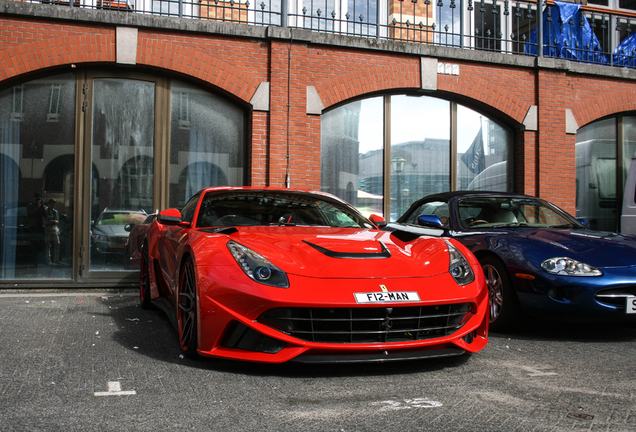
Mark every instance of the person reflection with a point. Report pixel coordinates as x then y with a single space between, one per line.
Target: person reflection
51 237
36 213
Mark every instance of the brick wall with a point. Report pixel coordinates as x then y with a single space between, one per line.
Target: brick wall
287 136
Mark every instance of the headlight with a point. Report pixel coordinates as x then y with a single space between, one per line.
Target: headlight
257 267
564 266
459 268
100 238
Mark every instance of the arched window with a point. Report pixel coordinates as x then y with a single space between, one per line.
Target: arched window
434 146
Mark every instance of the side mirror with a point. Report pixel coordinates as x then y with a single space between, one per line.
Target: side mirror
377 220
430 221
170 217
584 222
128 227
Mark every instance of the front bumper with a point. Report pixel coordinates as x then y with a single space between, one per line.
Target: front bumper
586 297
232 324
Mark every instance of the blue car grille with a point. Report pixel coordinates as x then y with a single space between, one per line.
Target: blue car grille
369 325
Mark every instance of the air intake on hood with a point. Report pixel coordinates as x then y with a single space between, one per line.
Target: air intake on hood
352 255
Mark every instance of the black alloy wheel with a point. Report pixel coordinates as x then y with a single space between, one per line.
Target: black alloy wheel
187 310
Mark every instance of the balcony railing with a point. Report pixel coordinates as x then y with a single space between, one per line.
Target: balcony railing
588 35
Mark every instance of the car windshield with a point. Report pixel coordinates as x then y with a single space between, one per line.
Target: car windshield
124 218
273 208
490 212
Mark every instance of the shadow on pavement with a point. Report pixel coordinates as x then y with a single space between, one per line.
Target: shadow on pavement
152 333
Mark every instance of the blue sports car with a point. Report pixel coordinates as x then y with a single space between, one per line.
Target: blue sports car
536 257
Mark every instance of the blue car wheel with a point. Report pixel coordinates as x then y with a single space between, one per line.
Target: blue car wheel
504 304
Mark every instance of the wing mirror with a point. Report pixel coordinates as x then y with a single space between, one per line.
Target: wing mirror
585 222
377 220
430 221
170 217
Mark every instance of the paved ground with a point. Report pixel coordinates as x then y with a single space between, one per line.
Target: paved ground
99 362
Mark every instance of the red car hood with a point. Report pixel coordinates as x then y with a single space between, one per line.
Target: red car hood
345 252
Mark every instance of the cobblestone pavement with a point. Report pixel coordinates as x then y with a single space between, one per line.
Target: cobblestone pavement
91 361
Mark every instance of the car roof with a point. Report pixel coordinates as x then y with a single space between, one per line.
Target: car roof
448 196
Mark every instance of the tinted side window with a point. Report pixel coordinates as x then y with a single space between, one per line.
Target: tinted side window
187 213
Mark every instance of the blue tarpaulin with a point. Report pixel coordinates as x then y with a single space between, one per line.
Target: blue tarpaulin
625 53
567 34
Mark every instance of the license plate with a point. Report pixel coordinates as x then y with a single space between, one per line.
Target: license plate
630 306
384 297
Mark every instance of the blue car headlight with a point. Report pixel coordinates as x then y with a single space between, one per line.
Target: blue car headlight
257 267
459 268
564 266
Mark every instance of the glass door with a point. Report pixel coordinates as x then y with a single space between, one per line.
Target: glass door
119 169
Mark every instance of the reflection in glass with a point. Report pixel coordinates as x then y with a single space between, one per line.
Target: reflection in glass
448 24
482 150
207 142
37 144
596 174
420 150
122 157
352 154
629 142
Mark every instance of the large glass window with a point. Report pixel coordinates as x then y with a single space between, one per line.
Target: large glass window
207 142
420 149
434 146
483 148
596 174
37 136
122 157
43 235
352 148
599 169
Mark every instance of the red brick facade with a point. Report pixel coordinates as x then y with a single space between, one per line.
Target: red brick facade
236 65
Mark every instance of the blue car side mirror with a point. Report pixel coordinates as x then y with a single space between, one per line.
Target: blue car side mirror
584 222
430 221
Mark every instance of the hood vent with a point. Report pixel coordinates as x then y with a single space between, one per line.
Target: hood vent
384 253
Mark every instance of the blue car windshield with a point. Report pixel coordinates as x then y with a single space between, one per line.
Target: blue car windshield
488 212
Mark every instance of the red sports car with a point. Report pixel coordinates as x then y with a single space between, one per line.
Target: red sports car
272 275
132 247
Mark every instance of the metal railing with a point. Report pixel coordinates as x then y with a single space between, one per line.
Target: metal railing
591 35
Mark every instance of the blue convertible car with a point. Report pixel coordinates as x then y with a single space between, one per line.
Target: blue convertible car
536 257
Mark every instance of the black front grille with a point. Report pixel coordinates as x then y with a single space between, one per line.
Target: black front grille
368 325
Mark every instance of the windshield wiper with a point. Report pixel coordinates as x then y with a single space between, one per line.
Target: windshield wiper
568 225
510 224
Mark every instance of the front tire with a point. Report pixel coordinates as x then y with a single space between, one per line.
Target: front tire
503 302
187 310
